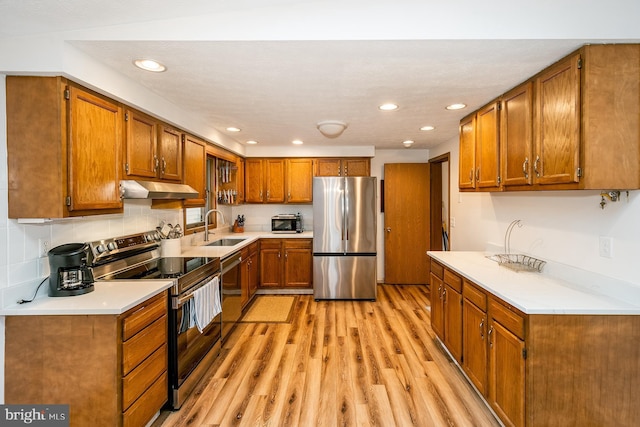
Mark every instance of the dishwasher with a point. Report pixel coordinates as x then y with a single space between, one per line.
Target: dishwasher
231 293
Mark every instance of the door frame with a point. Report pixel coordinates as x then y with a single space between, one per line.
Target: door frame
436 200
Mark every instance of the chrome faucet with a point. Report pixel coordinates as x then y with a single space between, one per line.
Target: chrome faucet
206 222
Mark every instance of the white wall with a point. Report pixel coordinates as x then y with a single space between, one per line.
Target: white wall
561 226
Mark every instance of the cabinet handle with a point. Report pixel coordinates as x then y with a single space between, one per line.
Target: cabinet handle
156 163
525 167
489 334
535 166
260 195
471 175
164 165
345 171
478 174
444 295
267 194
440 291
289 195
482 329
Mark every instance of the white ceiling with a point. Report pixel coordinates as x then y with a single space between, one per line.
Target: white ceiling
276 83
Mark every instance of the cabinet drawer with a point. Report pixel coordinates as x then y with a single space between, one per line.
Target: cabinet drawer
144 314
437 269
453 280
270 243
138 348
297 243
149 403
142 377
511 320
475 295
254 247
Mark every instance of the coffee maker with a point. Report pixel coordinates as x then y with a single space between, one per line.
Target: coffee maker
70 274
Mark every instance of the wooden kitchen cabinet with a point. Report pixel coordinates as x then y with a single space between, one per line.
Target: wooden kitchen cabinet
480 149
249 270
474 333
195 158
516 136
112 370
264 180
299 176
286 263
355 166
170 153
64 148
446 308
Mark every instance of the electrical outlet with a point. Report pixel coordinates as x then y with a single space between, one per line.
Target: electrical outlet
606 247
43 246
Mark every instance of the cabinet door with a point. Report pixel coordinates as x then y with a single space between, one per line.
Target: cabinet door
95 144
453 322
328 167
488 147
142 159
254 277
507 374
245 267
297 263
240 180
437 308
299 180
271 263
466 173
170 153
516 135
274 180
356 167
474 345
253 179
195 169
558 123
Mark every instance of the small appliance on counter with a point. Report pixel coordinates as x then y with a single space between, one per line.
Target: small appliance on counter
70 274
286 223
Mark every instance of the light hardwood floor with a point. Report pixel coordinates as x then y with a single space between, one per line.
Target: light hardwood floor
346 363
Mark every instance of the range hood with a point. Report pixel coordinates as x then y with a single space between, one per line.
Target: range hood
132 189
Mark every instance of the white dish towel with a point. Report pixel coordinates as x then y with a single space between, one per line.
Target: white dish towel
206 300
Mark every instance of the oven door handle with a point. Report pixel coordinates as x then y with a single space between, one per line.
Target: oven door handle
226 268
178 302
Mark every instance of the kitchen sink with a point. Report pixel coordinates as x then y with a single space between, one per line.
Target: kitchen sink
225 242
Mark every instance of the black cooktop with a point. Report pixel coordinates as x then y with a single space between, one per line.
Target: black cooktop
161 268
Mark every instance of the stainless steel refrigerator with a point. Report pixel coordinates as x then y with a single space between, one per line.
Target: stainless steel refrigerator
344 238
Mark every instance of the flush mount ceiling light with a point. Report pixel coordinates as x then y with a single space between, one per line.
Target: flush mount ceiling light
252 142
331 128
426 128
455 106
297 142
407 144
149 65
233 129
388 107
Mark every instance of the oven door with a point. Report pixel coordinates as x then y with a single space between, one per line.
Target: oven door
231 293
188 346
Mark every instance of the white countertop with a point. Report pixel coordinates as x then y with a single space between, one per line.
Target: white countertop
112 297
533 293
117 296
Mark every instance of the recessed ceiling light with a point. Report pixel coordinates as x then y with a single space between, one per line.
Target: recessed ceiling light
149 65
388 107
429 127
297 142
455 106
233 129
252 142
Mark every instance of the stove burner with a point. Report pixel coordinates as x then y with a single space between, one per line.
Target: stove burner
160 268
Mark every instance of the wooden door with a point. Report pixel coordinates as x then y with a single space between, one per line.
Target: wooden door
488 147
253 181
507 375
328 167
453 321
274 180
474 345
467 163
356 167
170 153
195 158
406 223
516 135
95 147
437 309
142 159
558 123
299 180
271 263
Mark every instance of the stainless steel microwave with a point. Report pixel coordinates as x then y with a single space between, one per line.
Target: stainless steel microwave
286 223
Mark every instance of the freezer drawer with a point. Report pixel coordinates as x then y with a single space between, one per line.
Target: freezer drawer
344 277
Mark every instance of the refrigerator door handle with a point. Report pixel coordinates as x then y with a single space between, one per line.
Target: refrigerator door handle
345 210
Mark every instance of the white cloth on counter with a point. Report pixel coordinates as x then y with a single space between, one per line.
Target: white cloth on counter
207 305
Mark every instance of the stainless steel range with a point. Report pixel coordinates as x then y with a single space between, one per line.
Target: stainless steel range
137 257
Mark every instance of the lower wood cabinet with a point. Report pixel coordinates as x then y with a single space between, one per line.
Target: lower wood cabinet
286 263
249 269
110 370
543 369
446 308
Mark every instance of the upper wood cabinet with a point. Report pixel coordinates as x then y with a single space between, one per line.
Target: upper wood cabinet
153 150
64 146
299 180
574 125
343 167
195 158
467 166
278 180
